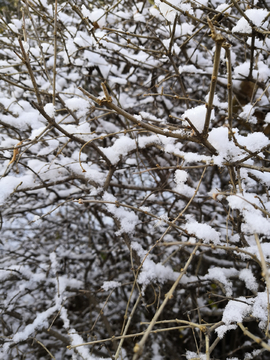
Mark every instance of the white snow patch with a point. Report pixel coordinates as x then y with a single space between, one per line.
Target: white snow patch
108 285
120 147
203 231
247 276
257 16
197 116
49 109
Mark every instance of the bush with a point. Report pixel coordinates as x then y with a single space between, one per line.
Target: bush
134 180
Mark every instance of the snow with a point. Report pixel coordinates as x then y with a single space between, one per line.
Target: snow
257 17
254 222
223 7
221 275
221 330
168 12
189 69
203 232
9 183
152 272
25 46
40 321
242 72
197 116
108 285
14 28
250 281
17 23
180 176
247 112
260 309
234 312
190 355
117 80
128 219
139 17
54 262
95 15
49 109
237 309
219 138
121 147
254 142
76 339
76 103
64 317
45 263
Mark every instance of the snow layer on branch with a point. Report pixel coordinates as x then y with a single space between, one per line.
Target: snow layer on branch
23 114
64 317
257 17
227 149
76 339
173 148
9 183
108 285
219 138
117 80
242 71
221 330
253 249
250 281
248 111
128 219
169 12
49 109
77 103
95 15
152 272
197 116
121 147
190 355
189 69
234 312
180 177
203 232
40 321
223 7
96 59
255 222
253 142
222 275
260 309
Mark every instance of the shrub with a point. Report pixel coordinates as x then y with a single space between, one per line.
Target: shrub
134 180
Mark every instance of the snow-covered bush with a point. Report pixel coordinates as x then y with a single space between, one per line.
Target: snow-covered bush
134 186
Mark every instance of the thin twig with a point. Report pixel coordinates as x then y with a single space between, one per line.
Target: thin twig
219 40
138 349
127 326
253 337
55 50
